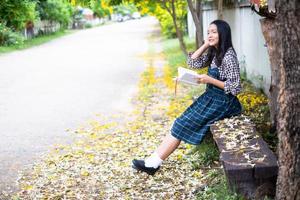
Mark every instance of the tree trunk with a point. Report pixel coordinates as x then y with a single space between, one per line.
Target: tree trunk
199 14
178 30
269 30
288 182
197 18
220 9
172 11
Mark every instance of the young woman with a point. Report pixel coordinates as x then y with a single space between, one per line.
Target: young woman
217 102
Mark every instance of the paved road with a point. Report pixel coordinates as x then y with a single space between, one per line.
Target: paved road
59 85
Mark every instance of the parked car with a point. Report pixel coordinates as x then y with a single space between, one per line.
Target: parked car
126 17
119 18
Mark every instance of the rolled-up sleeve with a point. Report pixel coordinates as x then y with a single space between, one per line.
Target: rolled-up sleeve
232 75
197 62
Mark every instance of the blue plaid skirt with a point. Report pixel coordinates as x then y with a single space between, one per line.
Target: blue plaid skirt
211 106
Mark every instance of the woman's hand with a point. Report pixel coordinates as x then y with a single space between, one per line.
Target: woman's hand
206 43
204 78
199 51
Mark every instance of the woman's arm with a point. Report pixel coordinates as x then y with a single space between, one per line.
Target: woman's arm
197 59
201 50
232 82
204 78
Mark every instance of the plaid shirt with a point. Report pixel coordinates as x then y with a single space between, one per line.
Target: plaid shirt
229 70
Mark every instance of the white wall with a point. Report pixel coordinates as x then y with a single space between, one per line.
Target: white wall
248 42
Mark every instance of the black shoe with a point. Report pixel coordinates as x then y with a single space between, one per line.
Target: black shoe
140 165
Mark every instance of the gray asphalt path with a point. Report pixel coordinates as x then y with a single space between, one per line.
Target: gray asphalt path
59 85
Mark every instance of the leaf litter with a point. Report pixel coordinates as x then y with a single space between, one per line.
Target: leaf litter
240 138
98 164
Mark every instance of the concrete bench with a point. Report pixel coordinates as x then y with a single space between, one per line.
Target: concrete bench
250 166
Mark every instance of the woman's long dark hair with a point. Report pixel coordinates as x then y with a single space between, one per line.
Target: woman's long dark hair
225 42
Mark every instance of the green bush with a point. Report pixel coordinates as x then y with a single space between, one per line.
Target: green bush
55 10
88 25
16 13
8 37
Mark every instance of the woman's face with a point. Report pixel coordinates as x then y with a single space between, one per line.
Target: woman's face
213 35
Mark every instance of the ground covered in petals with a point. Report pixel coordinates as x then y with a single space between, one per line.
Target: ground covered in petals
98 164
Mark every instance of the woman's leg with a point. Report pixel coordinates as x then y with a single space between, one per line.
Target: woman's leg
152 163
168 145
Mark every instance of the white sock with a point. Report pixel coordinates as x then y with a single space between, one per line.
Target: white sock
153 161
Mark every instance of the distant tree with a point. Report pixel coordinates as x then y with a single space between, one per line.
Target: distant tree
196 12
55 10
169 5
16 13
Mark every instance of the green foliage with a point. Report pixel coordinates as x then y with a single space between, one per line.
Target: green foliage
115 2
83 3
8 37
216 187
203 155
174 55
100 8
88 25
34 42
16 13
55 10
125 9
167 26
166 21
146 7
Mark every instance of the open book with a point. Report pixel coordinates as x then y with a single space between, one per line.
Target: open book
187 76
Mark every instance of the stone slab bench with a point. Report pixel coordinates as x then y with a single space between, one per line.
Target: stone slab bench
250 166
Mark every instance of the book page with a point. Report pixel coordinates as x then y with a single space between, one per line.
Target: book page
187 76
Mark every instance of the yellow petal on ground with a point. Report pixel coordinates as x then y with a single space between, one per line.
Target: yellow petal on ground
84 173
28 187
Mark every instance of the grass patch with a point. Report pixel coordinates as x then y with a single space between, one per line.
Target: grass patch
204 155
35 41
218 188
173 53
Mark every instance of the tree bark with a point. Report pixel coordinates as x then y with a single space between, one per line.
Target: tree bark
288 182
197 18
178 30
200 37
269 30
220 9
